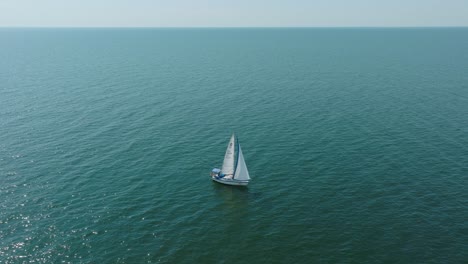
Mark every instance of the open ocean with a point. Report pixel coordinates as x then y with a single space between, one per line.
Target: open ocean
356 141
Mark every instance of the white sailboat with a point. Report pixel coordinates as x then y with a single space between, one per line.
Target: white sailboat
234 170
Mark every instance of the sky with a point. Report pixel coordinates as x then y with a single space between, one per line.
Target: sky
233 13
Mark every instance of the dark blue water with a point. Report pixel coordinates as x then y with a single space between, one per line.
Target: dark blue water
356 141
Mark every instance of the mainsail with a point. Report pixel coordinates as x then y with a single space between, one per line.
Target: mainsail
228 163
241 170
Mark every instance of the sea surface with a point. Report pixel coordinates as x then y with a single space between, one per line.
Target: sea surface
356 140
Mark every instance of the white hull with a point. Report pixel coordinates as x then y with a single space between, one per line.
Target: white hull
230 182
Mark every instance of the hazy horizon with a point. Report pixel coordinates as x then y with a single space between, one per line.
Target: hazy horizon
226 27
232 14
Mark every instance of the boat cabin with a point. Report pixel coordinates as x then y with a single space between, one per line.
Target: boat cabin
215 172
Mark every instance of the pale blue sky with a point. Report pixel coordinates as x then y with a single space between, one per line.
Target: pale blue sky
232 13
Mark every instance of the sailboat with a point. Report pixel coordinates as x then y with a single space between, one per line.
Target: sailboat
234 170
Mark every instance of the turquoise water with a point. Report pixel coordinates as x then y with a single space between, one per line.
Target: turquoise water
356 141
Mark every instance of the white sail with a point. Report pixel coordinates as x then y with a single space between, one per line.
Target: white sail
228 163
241 170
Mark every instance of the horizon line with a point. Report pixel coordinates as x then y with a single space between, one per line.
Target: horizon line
221 27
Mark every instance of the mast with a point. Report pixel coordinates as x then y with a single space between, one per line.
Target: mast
236 159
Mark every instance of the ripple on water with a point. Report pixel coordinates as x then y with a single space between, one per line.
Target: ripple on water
357 152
